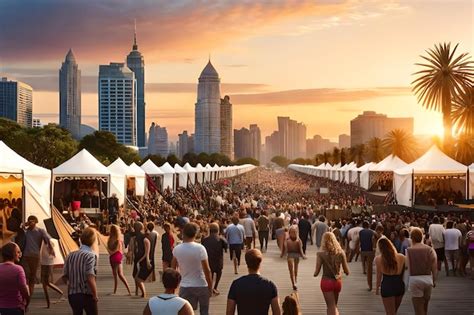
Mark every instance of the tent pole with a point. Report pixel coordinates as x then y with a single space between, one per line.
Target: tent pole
412 187
23 195
467 185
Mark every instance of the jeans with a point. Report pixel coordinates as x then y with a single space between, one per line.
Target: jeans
83 302
263 238
196 295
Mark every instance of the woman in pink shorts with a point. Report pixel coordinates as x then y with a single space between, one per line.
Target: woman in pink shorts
331 257
115 249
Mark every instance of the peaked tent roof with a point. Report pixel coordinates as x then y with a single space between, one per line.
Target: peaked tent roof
200 168
83 163
179 169
136 170
434 161
390 163
366 167
167 168
150 168
119 167
10 161
189 168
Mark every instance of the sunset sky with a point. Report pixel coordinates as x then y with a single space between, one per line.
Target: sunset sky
319 62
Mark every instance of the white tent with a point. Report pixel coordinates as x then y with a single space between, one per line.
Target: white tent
36 182
140 179
200 171
389 164
434 162
154 172
364 171
182 175
348 172
191 172
168 176
83 166
119 171
208 176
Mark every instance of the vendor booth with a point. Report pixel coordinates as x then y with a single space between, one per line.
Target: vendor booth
433 179
28 184
168 176
155 175
191 173
140 179
82 183
181 176
381 175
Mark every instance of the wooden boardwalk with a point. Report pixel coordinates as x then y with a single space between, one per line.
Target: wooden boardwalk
453 295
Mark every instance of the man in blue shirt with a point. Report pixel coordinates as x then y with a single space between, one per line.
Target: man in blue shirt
367 253
235 235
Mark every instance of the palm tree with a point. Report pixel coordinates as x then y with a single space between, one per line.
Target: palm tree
464 149
326 157
441 78
344 156
375 150
400 143
463 111
357 154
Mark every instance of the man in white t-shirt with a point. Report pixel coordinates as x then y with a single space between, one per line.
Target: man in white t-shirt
353 238
191 258
452 240
436 232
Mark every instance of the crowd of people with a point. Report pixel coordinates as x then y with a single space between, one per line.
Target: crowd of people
240 216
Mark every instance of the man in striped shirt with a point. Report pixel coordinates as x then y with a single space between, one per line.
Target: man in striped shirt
80 276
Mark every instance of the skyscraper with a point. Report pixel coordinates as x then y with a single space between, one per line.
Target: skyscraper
292 141
118 102
185 144
158 140
207 112
16 102
255 142
227 141
136 63
370 125
242 143
70 95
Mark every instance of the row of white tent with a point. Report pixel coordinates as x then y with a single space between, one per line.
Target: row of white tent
38 181
433 163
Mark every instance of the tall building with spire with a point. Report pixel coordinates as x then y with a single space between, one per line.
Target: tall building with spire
70 95
227 139
207 112
136 63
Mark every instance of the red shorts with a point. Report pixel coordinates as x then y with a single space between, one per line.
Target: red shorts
331 285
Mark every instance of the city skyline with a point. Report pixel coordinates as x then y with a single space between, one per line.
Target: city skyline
371 70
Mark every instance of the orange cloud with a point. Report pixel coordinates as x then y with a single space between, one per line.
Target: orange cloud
101 31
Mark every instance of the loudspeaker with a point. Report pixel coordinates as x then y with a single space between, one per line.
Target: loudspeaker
50 228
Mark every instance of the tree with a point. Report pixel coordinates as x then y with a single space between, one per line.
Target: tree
158 160
345 156
280 161
464 149
104 146
302 161
440 79
190 158
47 147
247 160
375 151
463 111
50 146
326 157
173 159
336 156
203 158
219 159
357 154
400 143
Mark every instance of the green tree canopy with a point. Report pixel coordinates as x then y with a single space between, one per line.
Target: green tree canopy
190 158
247 160
157 159
280 161
104 146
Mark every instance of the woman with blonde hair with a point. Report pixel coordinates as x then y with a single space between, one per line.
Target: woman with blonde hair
115 249
291 305
390 267
293 248
332 258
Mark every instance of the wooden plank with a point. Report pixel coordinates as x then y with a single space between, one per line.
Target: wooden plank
453 295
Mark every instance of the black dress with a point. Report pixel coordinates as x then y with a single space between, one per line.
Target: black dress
166 248
392 285
140 270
